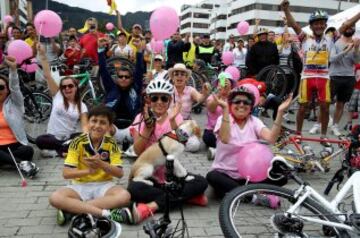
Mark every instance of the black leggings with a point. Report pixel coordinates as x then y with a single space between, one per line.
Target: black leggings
49 142
209 138
223 183
20 152
144 193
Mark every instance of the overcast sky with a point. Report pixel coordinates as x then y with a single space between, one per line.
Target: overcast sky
128 5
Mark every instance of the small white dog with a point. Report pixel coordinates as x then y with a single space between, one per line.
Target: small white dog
172 143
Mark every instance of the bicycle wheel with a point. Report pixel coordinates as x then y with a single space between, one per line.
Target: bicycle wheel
115 63
89 100
37 112
275 80
240 217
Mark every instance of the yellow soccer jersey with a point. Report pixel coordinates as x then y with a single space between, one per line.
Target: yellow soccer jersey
81 148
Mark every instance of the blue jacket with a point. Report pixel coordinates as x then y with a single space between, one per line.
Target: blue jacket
116 98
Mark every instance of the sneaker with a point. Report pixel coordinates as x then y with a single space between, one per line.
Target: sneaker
266 200
335 130
325 143
315 129
63 217
48 153
200 200
140 212
122 215
28 168
348 127
211 153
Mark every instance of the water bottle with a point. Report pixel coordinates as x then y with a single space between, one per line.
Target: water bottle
307 149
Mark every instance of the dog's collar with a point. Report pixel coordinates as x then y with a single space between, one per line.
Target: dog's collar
179 135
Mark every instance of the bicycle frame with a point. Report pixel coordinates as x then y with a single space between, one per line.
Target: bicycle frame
306 191
344 145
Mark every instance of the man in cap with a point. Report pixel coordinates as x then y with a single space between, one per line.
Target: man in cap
205 51
262 54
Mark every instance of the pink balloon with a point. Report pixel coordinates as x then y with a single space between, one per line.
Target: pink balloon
235 73
8 19
48 23
20 50
243 27
254 161
164 22
109 26
252 88
30 68
156 46
228 58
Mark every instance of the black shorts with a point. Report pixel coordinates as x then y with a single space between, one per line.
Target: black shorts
342 87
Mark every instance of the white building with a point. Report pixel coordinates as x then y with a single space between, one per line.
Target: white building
7 8
225 15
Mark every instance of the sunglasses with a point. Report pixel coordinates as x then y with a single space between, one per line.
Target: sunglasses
180 73
64 86
163 99
2 87
157 60
124 76
246 102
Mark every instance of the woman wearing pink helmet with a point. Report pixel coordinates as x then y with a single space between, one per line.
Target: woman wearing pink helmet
233 129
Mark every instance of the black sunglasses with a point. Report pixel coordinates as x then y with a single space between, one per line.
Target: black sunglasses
164 99
64 86
2 87
246 102
124 76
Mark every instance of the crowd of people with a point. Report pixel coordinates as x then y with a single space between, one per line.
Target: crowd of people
142 105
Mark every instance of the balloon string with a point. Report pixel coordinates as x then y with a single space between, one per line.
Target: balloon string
152 60
247 180
40 31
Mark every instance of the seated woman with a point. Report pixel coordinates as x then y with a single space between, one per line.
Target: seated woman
234 128
150 199
186 96
224 84
12 132
67 114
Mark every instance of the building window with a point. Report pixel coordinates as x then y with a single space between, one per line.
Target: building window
186 25
201 25
201 15
186 16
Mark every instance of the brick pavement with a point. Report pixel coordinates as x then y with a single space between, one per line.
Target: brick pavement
25 212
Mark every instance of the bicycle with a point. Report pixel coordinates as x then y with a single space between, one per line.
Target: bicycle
161 228
301 208
302 156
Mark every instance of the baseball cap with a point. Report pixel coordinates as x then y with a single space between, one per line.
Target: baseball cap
159 57
137 26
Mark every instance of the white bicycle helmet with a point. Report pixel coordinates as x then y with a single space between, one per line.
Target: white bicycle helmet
160 85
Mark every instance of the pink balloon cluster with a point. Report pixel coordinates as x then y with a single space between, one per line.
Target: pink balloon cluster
109 26
227 58
243 27
157 46
164 22
254 161
48 23
235 73
20 50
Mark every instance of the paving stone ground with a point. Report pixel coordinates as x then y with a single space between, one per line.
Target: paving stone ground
25 212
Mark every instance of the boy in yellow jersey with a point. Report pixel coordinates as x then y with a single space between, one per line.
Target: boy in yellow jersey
92 161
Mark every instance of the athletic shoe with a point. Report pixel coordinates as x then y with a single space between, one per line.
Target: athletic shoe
60 218
348 127
48 153
122 215
325 143
200 200
315 128
140 212
211 153
28 168
267 200
335 130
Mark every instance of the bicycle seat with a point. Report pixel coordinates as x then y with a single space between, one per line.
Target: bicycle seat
279 168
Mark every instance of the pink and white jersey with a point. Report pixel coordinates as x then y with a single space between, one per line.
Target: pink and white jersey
226 155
